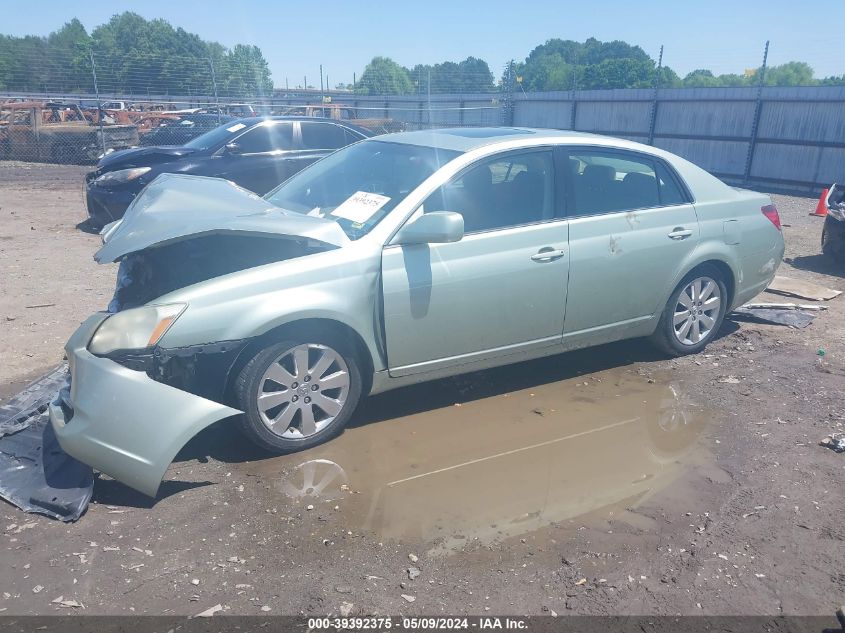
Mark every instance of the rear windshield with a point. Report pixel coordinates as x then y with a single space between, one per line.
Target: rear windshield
215 137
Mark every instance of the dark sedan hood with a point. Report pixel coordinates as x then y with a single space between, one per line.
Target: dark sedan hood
142 156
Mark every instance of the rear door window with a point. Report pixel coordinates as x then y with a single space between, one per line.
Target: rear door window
323 136
603 182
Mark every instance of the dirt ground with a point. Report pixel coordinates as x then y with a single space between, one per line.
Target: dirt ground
605 481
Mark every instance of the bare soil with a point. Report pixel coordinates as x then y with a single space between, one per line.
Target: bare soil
604 481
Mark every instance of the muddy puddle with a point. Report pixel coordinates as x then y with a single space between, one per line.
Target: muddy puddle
451 461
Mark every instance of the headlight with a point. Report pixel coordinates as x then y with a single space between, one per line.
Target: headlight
137 328
121 176
837 213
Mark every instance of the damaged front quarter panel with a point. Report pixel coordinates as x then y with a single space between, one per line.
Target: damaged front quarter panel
203 370
121 421
129 412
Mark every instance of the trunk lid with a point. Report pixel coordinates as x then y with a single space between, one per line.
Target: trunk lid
176 207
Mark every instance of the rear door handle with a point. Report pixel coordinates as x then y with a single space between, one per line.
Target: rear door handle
680 233
547 254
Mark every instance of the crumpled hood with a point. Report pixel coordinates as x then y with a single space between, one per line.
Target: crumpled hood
175 207
142 156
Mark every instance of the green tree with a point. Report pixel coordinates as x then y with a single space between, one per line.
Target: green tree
468 76
69 50
566 64
833 81
701 78
245 72
669 78
789 74
132 56
383 76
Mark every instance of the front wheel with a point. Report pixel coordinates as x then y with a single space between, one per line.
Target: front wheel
694 313
296 394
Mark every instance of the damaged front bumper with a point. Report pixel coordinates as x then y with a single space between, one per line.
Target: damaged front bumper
122 422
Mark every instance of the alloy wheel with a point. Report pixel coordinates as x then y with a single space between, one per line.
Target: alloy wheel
697 310
303 391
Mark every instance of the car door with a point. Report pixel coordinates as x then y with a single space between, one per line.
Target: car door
23 139
262 157
631 225
499 291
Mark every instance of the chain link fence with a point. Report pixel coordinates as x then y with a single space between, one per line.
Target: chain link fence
73 107
73 128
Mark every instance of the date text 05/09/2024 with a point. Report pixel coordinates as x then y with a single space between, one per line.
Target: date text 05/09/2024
383 623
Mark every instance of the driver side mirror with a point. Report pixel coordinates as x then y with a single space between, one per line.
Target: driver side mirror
233 148
438 227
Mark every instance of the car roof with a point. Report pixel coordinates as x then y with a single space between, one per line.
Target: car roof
252 120
465 139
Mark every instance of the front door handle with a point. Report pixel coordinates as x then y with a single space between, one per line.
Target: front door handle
547 254
680 233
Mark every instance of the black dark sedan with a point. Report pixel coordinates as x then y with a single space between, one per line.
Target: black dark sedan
255 153
183 129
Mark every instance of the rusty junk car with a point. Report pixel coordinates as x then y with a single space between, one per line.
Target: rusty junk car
58 132
348 114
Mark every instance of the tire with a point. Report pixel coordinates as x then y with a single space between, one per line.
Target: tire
289 405
833 248
667 339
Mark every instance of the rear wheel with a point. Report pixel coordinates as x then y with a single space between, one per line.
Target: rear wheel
694 313
296 394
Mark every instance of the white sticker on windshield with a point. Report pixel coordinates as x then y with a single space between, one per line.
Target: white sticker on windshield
360 206
236 127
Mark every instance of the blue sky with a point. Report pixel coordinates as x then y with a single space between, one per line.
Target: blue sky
297 37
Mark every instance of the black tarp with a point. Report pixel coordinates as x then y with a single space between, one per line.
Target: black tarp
35 473
777 316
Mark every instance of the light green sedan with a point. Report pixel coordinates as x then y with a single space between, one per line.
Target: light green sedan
399 259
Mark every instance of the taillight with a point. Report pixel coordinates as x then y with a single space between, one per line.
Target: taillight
771 212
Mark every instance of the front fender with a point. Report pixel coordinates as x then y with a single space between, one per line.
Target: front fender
251 303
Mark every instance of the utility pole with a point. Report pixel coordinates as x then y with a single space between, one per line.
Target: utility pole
99 103
214 87
755 125
653 121
507 106
428 88
322 92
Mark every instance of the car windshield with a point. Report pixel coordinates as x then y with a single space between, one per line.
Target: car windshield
217 136
360 184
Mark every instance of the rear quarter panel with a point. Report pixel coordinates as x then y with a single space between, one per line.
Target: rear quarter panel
733 230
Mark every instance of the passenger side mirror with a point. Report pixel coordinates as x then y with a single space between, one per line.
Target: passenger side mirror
438 227
233 148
